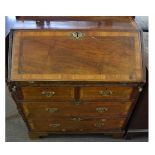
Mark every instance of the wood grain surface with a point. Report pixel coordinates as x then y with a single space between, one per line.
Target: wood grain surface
87 124
76 76
56 55
49 110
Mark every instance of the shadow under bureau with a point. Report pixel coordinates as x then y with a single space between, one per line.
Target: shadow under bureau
76 76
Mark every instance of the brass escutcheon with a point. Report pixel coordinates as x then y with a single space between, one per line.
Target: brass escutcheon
77 35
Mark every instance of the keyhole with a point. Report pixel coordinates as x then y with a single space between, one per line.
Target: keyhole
77 35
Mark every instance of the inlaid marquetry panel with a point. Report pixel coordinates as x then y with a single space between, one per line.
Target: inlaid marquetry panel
61 55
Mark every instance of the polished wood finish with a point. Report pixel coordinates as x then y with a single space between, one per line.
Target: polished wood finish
48 110
30 93
86 59
89 93
105 23
69 125
73 18
107 92
76 76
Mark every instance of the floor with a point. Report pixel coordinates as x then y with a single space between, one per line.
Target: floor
16 130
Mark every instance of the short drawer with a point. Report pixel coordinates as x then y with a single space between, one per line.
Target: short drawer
48 110
109 92
71 125
31 93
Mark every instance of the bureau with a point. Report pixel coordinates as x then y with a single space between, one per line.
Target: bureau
76 75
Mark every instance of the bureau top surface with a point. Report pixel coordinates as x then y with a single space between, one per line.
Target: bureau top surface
75 22
94 50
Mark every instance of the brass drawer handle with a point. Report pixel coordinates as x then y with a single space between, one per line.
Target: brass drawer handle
105 92
56 125
101 109
76 119
99 124
48 93
52 110
77 35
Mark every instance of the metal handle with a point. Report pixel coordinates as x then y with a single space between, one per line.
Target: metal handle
99 124
101 109
77 35
48 93
76 119
54 125
52 110
105 92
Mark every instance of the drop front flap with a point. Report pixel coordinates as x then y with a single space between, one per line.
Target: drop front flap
76 56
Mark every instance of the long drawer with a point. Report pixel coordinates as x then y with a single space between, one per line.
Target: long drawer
46 110
67 124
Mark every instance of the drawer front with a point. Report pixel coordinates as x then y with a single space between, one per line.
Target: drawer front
93 93
49 110
71 125
30 93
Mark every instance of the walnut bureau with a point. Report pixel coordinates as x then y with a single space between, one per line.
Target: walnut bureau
76 75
